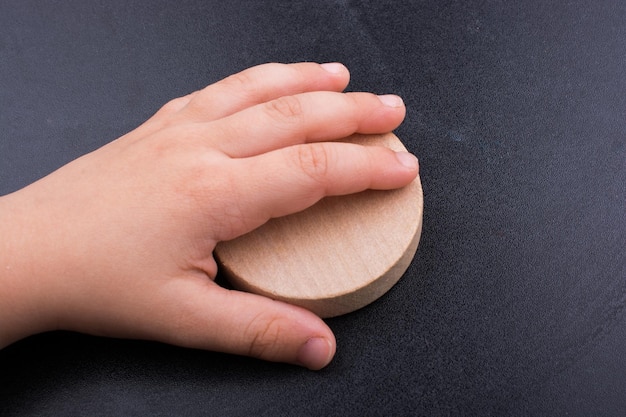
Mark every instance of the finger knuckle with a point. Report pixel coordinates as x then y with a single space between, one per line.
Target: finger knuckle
314 160
287 108
174 105
264 334
241 80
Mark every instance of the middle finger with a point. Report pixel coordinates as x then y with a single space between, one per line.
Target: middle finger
302 118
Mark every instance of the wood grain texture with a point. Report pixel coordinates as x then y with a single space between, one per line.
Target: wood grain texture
335 257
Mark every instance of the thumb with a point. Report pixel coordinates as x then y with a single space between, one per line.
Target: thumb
207 316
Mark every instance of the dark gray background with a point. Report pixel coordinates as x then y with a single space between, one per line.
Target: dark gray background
514 304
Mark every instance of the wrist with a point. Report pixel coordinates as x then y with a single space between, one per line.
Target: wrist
23 303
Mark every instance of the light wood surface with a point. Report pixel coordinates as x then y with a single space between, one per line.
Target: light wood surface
335 257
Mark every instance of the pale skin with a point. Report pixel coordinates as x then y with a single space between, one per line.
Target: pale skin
120 241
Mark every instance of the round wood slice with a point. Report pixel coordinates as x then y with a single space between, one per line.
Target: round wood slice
335 257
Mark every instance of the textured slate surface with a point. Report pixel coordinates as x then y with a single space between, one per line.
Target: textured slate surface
514 304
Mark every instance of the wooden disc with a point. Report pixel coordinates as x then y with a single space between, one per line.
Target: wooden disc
335 257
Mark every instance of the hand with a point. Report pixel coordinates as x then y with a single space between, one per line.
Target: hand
119 242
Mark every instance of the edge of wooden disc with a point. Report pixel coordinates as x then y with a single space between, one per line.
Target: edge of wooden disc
338 255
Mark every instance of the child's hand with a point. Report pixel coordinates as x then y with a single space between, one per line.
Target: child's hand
119 242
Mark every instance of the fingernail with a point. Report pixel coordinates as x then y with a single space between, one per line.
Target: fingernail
391 100
315 353
408 160
333 67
